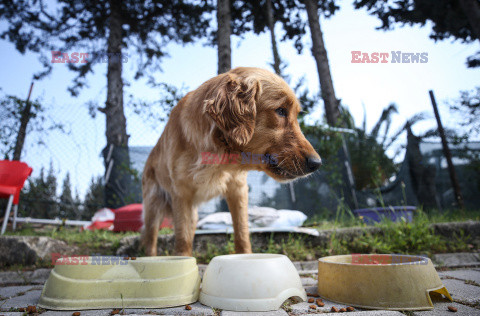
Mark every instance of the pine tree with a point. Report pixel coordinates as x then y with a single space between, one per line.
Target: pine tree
104 29
69 207
94 198
450 19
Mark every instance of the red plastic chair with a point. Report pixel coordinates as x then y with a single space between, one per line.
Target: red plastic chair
13 175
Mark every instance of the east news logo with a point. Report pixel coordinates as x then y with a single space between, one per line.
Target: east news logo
394 57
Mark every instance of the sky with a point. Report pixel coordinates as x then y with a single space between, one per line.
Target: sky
360 86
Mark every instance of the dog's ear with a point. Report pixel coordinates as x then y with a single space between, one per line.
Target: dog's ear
232 106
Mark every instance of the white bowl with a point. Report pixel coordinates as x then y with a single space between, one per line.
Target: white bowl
250 282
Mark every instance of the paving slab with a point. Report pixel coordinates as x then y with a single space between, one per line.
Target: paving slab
11 277
8 292
29 298
201 269
441 309
461 274
453 260
304 307
197 309
367 313
310 265
298 265
96 312
308 273
461 292
38 276
279 312
308 281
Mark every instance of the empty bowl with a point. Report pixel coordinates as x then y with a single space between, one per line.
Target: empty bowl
250 282
95 282
391 282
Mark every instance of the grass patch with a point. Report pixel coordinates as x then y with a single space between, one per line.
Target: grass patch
89 242
416 237
402 237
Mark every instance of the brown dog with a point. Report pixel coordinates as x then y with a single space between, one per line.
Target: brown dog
244 112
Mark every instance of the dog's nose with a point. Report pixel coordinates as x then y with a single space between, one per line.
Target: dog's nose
313 163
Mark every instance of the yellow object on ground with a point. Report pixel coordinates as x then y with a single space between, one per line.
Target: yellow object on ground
97 282
391 282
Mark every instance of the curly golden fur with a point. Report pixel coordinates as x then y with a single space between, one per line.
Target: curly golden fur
246 110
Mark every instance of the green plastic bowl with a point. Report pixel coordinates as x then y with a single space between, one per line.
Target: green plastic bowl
78 283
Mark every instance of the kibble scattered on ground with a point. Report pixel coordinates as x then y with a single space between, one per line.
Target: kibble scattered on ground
31 309
452 309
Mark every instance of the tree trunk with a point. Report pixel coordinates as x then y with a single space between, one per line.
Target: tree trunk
332 104
271 26
118 180
223 36
471 8
319 52
26 114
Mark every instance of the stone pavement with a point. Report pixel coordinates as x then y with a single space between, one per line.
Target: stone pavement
460 273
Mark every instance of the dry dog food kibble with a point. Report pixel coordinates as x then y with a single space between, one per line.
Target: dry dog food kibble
311 300
115 312
313 306
350 309
320 303
334 309
343 310
452 309
188 307
313 294
76 314
31 309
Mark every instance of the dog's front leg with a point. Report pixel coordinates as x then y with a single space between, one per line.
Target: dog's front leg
237 200
184 221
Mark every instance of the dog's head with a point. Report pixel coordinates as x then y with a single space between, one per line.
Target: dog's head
255 114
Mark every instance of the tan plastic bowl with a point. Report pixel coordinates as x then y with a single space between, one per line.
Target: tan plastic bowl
391 282
113 282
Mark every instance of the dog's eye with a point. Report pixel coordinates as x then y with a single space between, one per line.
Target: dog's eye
281 111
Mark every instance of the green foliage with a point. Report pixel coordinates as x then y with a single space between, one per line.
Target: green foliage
296 248
94 198
40 196
147 28
403 237
39 125
467 108
446 17
156 112
370 165
40 200
251 15
214 250
69 205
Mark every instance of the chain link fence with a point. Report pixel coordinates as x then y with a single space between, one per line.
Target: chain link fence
67 181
